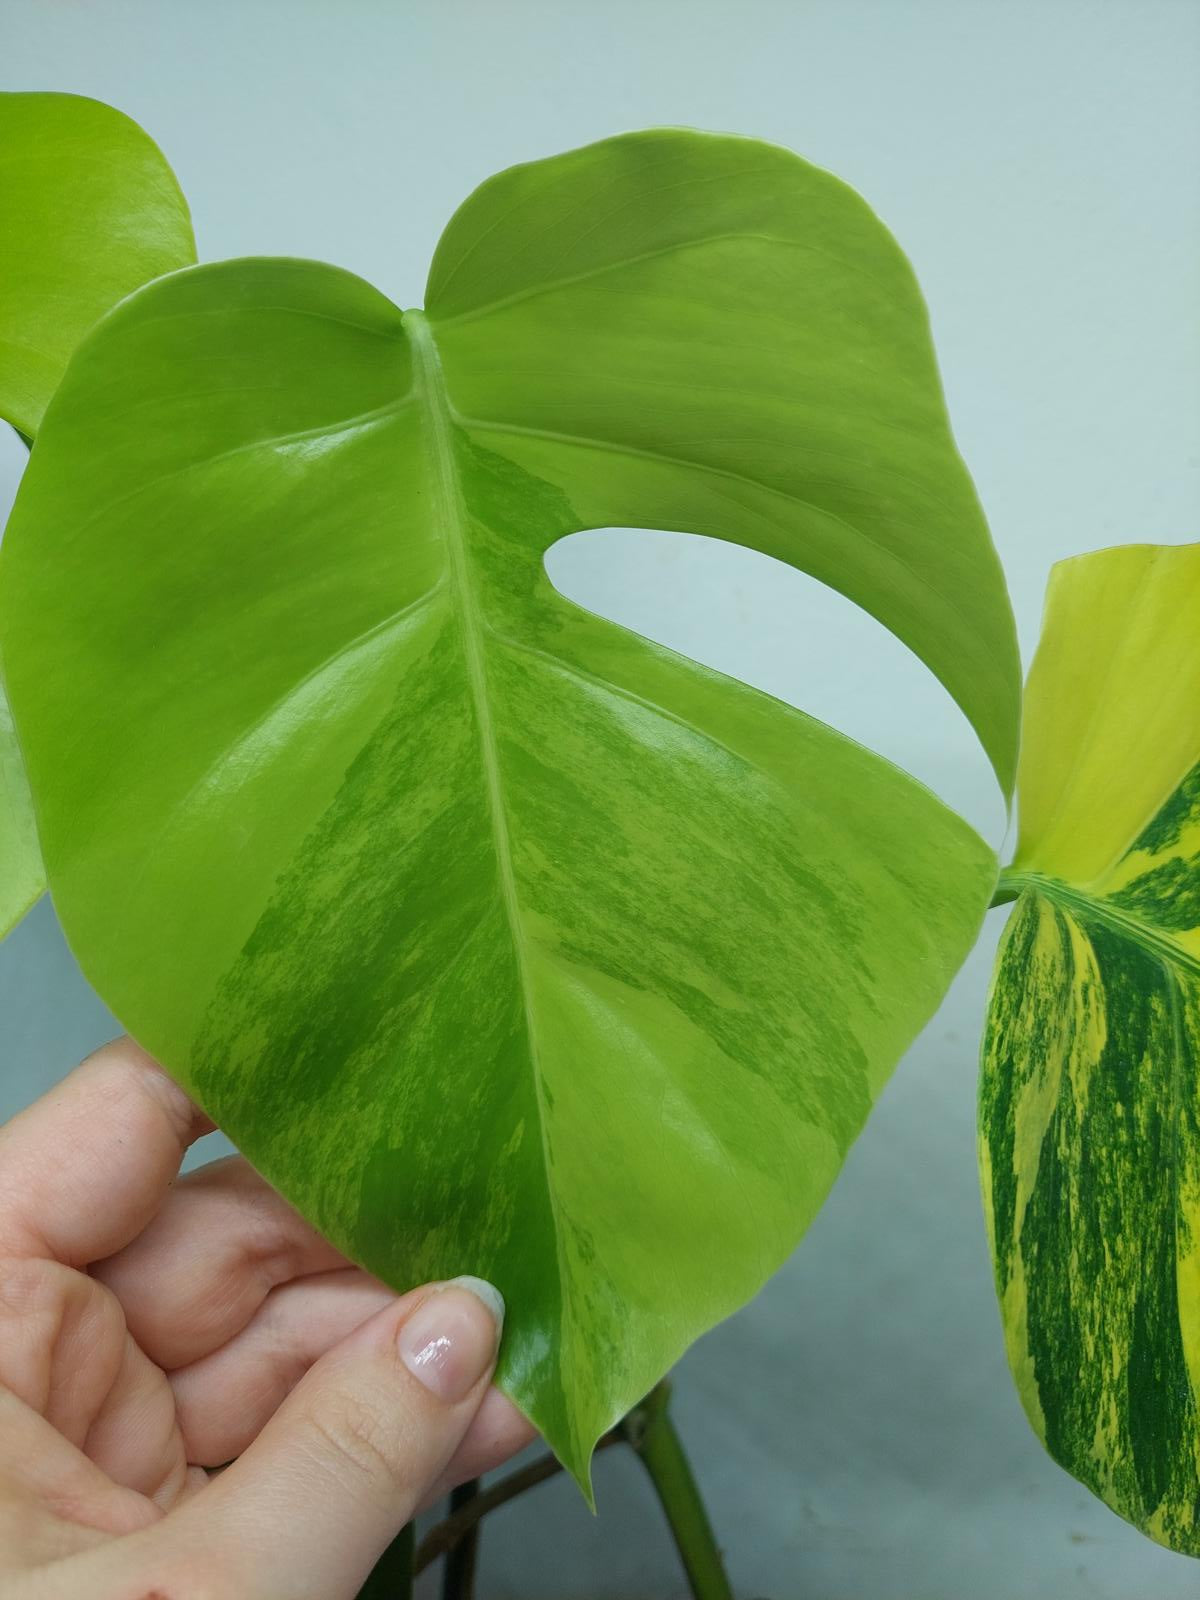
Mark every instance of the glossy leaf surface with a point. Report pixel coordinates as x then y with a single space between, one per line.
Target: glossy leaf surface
89 211
1089 1108
688 331
501 939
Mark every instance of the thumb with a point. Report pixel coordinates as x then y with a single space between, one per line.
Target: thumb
349 1456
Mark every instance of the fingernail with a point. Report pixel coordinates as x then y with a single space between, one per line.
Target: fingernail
451 1339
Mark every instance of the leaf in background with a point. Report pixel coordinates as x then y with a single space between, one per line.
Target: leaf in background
89 211
22 875
501 939
22 880
1089 1110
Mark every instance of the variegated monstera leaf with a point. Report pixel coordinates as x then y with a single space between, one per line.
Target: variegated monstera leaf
500 939
1090 1102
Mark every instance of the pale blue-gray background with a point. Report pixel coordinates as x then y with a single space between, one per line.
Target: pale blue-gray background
854 1428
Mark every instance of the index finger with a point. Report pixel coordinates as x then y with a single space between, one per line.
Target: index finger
83 1169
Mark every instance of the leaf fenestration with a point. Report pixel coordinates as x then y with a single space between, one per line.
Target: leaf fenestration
500 939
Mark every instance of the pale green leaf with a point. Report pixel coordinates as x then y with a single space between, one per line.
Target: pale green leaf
502 940
89 211
21 877
690 331
1089 1113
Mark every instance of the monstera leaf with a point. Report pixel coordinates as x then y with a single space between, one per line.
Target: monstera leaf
1090 1103
89 211
500 939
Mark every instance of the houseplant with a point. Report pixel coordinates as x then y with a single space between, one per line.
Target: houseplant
400 816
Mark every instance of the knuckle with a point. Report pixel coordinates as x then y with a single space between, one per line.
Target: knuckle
29 1287
363 1449
54 1322
43 1292
270 1238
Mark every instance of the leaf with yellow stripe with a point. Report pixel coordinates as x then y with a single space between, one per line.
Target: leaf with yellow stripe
1089 1105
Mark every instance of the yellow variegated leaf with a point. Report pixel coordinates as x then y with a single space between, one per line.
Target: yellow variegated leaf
1089 1100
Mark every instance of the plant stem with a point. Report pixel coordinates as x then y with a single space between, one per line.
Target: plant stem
1008 887
652 1434
392 1577
462 1558
649 1431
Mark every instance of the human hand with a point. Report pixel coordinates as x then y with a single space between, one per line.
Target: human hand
153 1328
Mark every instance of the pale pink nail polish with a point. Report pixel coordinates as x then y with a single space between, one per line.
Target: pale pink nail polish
451 1339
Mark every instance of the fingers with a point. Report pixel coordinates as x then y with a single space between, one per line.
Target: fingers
52 1498
198 1273
224 1400
350 1455
66 1354
236 1296
124 1127
135 1436
61 1342
497 1431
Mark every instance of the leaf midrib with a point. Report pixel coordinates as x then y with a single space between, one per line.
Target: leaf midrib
1102 911
451 517
677 247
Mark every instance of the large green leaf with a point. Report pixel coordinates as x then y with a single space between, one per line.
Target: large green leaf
501 939
1090 1098
89 211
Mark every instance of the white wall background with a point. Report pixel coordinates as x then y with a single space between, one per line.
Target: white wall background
855 1427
